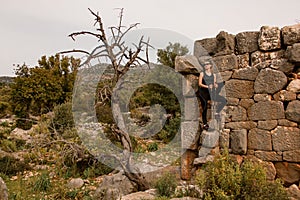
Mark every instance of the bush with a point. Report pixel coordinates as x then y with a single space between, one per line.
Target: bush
166 185
225 179
63 117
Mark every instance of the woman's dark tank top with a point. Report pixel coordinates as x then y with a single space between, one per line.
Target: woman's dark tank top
208 80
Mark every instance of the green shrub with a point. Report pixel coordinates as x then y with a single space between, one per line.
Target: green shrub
63 117
225 179
152 147
166 185
42 183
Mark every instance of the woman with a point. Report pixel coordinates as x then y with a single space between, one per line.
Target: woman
208 85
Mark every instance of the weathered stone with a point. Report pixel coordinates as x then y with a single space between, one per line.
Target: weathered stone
247 42
235 114
269 38
266 110
239 89
270 81
243 60
281 64
291 34
238 141
115 186
224 139
241 125
75 183
148 194
293 111
209 138
268 166
203 160
225 43
259 139
3 190
204 151
268 156
187 64
262 97
267 125
292 156
285 122
226 75
246 103
189 135
285 138
226 63
293 52
284 95
247 73
294 86
187 160
205 47
190 85
265 59
288 172
232 101
294 192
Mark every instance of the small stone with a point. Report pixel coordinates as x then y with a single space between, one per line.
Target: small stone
75 183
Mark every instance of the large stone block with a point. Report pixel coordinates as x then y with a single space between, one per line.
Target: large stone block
262 97
291 34
272 156
269 38
205 47
285 138
246 103
189 135
238 141
247 73
239 88
259 139
243 60
285 122
236 113
266 110
187 64
293 52
226 63
267 125
288 172
190 85
292 156
241 125
209 139
284 95
293 111
294 86
224 138
191 109
247 42
266 59
270 81
226 75
225 43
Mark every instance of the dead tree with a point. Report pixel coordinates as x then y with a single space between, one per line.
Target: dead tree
121 58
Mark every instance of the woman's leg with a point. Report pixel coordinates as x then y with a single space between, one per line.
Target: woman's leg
204 107
221 103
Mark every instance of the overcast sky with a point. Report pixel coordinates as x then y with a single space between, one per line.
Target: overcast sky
32 28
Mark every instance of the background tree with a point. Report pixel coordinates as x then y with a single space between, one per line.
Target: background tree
167 56
37 90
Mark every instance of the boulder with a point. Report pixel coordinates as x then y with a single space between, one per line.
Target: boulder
291 34
243 60
189 135
259 139
247 73
75 183
247 42
292 156
266 110
288 172
3 190
294 86
285 138
293 52
187 64
269 38
293 111
269 81
205 47
225 43
239 88
114 187
226 62
262 60
294 191
238 141
148 194
267 125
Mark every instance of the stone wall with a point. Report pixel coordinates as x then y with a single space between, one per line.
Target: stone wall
261 72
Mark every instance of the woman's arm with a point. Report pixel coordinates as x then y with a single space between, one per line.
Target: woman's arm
215 81
201 81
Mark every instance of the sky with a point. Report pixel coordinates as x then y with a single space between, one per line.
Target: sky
33 28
